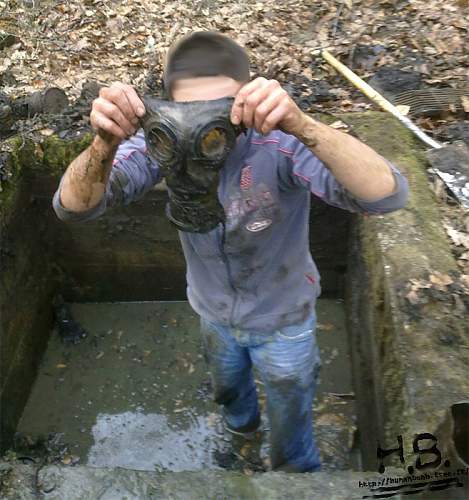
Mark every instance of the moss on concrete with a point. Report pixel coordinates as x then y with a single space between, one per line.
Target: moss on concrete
20 156
86 482
418 226
422 376
26 267
49 156
58 153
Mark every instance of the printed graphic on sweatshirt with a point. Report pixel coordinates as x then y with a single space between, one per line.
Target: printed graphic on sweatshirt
251 206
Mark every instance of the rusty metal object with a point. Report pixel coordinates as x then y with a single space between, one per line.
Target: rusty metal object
457 181
453 443
377 98
433 102
52 100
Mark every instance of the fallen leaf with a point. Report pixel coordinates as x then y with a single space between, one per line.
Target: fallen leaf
465 103
338 124
46 131
81 44
325 326
120 45
244 452
403 109
413 298
459 238
441 279
465 279
416 284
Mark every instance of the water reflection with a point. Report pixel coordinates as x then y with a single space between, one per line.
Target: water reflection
148 442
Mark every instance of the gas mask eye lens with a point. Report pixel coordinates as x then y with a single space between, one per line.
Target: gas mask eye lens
163 143
191 142
213 143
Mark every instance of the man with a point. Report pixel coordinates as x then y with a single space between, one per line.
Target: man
252 280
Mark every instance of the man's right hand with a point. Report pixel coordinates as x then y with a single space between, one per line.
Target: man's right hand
115 113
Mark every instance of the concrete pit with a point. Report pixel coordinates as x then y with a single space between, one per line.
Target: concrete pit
135 393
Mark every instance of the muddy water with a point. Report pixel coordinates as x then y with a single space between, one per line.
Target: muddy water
334 408
135 393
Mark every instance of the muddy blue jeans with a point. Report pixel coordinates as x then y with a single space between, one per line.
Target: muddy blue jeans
288 363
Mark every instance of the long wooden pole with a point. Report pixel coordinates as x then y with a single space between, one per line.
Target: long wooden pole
371 93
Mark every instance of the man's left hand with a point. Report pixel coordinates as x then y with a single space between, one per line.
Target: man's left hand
265 105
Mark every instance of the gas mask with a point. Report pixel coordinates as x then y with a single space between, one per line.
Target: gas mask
190 142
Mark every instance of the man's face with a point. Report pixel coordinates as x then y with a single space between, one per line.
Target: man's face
205 88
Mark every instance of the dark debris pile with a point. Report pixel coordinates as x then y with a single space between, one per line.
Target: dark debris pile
41 450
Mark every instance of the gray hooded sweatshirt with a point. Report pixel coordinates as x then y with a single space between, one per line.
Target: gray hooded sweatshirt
254 272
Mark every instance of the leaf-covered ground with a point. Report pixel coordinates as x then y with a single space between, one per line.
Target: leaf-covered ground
65 43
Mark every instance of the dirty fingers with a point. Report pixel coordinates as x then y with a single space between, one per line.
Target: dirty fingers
264 105
115 113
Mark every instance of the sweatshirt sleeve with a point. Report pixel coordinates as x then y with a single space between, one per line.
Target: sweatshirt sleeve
132 175
300 167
